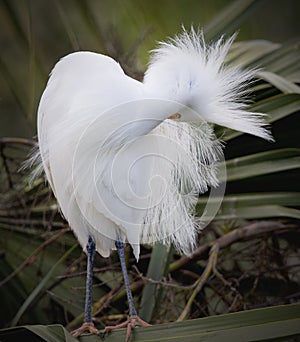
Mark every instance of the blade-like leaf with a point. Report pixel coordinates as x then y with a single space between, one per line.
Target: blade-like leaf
158 267
228 20
279 82
35 333
277 107
246 52
262 168
281 323
258 212
40 286
262 163
254 199
279 154
52 333
281 60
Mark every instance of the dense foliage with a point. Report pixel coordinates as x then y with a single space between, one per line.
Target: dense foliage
248 257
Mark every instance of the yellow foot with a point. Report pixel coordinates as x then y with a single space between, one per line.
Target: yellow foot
86 327
131 323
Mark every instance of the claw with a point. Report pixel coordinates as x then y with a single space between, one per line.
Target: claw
131 323
86 327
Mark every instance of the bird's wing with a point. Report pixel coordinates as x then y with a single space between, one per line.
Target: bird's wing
72 125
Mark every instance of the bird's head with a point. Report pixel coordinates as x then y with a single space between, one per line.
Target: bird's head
193 74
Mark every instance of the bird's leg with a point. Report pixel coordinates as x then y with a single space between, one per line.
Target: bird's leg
133 319
88 324
120 249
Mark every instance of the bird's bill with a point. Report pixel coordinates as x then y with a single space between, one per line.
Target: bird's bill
175 116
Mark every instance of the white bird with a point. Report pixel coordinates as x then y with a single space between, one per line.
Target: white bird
127 160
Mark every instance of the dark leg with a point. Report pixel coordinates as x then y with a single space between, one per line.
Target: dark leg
88 324
133 319
120 249
91 250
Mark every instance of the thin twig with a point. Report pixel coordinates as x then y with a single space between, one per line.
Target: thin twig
97 307
247 232
28 260
213 256
162 283
15 140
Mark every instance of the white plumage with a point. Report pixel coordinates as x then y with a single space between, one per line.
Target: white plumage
117 165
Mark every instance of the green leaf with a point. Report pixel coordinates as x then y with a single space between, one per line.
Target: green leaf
279 82
52 333
262 163
278 198
10 300
263 168
158 267
283 61
35 333
279 154
246 52
255 205
281 323
40 286
229 19
258 212
277 107
254 199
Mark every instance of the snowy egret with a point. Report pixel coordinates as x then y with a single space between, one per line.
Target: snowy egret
127 160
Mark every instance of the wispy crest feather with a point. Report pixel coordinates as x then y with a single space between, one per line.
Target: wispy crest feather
194 73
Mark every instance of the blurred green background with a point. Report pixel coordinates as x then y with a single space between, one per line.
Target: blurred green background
42 268
35 34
